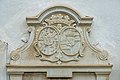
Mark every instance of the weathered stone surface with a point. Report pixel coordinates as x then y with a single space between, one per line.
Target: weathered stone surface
105 30
58 38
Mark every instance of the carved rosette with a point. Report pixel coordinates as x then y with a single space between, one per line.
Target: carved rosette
59 39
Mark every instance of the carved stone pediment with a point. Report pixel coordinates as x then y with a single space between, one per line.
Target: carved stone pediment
58 37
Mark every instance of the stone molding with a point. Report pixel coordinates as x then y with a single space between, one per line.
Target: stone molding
57 43
67 18
97 69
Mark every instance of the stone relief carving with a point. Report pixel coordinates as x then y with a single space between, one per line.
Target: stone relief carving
100 53
56 45
59 38
15 54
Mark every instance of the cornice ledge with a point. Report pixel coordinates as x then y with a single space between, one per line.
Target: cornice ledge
86 21
97 69
32 21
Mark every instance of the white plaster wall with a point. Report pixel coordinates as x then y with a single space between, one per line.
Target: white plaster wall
3 52
105 30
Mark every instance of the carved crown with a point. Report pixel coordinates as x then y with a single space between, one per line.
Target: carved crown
59 18
59 41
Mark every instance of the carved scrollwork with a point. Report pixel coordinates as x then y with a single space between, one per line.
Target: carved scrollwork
101 54
15 54
60 18
58 35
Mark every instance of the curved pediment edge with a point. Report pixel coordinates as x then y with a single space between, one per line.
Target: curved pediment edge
85 23
100 53
15 54
37 19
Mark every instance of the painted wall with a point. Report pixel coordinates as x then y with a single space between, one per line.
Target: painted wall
105 30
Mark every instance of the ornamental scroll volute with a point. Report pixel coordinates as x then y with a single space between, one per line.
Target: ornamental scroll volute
58 35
